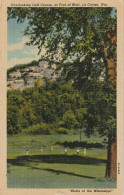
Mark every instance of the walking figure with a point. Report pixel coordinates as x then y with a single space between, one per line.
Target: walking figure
65 151
27 152
78 152
84 151
52 148
41 150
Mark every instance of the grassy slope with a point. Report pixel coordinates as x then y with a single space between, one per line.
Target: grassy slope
23 140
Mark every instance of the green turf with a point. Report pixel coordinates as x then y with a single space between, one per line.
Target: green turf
53 169
23 140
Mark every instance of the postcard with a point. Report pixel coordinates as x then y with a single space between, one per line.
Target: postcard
61 97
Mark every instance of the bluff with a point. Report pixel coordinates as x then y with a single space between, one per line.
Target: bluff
24 76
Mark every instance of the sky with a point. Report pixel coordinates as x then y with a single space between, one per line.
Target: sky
18 52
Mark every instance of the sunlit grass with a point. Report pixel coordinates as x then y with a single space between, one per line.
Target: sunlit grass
52 169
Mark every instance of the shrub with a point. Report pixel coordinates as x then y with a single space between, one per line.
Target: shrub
62 130
41 128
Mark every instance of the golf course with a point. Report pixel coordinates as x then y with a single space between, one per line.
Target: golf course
51 168
62 97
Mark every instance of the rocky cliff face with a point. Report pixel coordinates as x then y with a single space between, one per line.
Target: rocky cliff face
21 78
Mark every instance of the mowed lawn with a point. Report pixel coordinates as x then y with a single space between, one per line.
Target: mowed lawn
53 169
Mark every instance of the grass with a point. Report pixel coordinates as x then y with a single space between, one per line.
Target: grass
52 169
23 140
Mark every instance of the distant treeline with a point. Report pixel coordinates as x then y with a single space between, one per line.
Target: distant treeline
61 107
22 66
43 110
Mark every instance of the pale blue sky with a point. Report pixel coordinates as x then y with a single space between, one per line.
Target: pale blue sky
18 52
15 31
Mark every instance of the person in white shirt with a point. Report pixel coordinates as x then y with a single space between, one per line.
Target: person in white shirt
27 152
78 151
85 151
65 151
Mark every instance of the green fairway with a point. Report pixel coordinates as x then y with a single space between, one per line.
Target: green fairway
53 169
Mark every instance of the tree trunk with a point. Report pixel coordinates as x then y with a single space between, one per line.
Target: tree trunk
110 65
111 169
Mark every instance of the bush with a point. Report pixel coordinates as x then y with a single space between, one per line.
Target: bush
62 130
41 128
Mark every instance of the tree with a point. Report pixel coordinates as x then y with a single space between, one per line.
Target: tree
38 83
82 43
69 120
101 114
14 113
81 114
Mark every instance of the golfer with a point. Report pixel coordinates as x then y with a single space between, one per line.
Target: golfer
65 151
85 151
78 152
52 148
27 152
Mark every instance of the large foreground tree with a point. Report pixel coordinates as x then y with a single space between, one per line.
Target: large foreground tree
82 43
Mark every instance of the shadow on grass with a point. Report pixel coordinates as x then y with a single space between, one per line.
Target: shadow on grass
63 172
55 158
80 144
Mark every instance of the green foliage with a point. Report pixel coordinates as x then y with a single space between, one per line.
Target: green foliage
22 66
81 114
75 34
14 113
60 108
41 128
65 25
38 83
101 113
62 130
69 120
48 109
